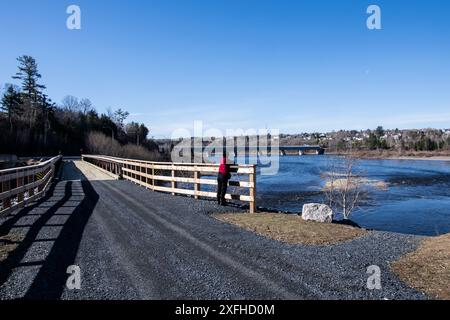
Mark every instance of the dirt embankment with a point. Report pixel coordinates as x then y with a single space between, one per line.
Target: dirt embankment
292 228
428 268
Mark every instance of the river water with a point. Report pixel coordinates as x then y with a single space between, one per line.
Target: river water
414 197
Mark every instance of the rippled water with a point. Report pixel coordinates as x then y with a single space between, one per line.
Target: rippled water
416 200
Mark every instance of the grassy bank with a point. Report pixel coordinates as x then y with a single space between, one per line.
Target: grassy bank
428 268
292 228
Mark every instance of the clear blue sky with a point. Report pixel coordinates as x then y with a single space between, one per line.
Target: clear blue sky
292 65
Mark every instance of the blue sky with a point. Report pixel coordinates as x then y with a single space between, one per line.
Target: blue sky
291 65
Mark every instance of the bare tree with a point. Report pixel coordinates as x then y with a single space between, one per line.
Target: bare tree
71 104
85 105
344 187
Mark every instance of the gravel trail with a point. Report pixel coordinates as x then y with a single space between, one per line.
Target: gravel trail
131 243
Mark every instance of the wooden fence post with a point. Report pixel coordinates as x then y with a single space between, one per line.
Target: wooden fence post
252 178
41 180
20 181
174 184
30 179
153 176
146 177
196 183
6 187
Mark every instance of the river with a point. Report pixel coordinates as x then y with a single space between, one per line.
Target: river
414 199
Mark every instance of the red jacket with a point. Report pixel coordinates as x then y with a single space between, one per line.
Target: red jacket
223 168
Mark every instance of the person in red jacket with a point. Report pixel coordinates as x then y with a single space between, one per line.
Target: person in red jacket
222 181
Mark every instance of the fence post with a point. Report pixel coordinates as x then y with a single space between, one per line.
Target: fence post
146 177
252 178
6 187
153 176
196 183
20 180
42 181
174 184
30 179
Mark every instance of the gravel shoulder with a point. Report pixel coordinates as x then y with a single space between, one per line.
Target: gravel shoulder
131 243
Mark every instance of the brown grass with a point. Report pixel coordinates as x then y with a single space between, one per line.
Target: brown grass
98 143
8 244
292 228
383 154
428 268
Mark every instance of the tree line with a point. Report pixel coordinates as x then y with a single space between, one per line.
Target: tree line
396 140
32 124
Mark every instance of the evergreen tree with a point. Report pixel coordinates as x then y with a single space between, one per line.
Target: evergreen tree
120 116
379 131
29 75
372 141
11 104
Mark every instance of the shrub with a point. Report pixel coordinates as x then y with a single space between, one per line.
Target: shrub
98 143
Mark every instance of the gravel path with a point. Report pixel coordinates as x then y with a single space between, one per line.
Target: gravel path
131 243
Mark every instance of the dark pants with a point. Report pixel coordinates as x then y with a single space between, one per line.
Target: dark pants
222 183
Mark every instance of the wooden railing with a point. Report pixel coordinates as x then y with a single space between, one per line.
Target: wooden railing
181 178
21 185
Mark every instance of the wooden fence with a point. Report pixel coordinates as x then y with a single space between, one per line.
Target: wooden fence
181 178
21 185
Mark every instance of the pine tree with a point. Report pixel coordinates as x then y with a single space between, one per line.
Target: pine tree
10 104
32 91
120 117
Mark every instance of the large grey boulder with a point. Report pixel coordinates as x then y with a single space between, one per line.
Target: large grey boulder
317 212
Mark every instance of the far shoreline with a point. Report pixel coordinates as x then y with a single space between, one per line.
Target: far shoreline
432 158
380 155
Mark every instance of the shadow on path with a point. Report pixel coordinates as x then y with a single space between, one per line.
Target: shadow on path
58 231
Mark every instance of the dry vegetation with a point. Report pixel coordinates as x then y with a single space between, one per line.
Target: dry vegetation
428 268
292 228
98 143
383 154
345 184
8 244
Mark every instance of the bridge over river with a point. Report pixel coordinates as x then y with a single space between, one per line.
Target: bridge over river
245 151
132 242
